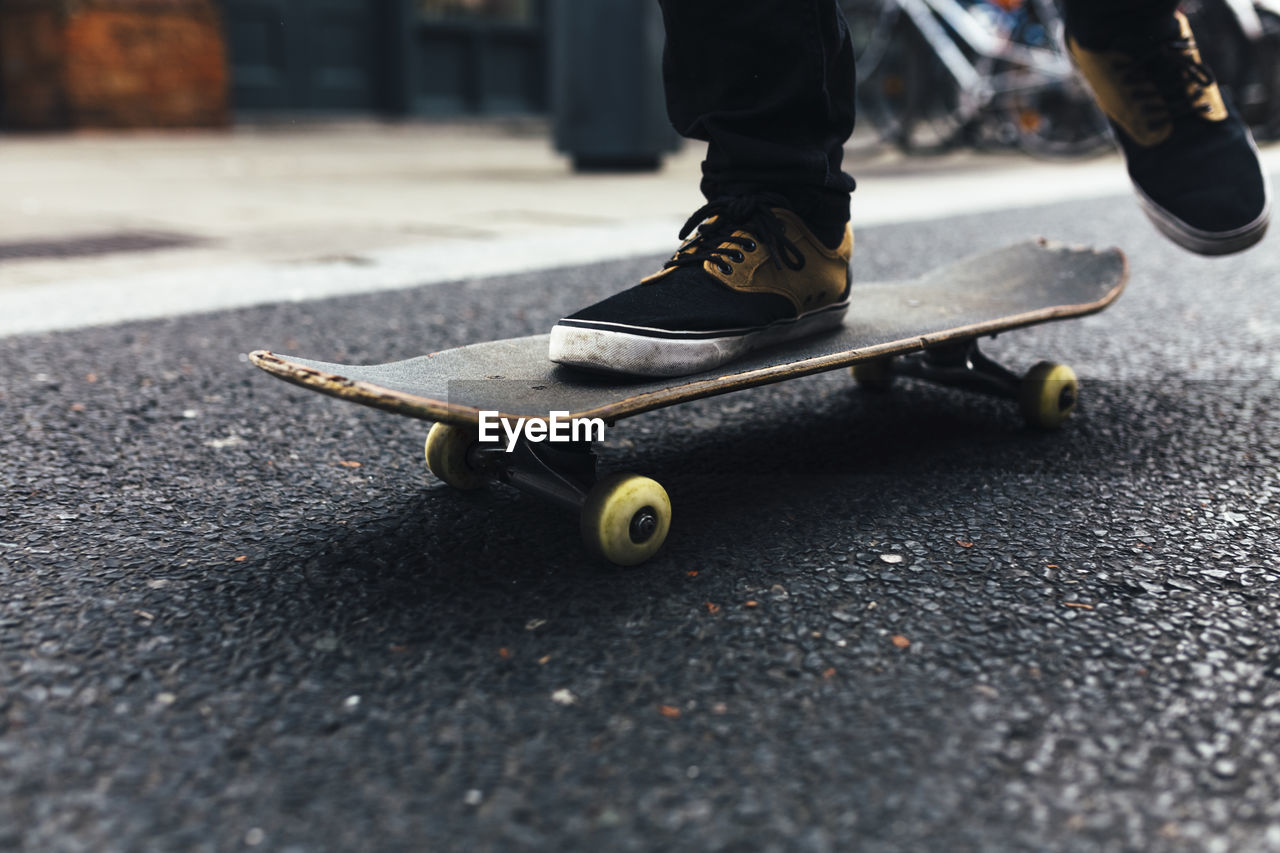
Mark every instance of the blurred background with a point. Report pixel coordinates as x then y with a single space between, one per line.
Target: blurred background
142 63
140 139
75 64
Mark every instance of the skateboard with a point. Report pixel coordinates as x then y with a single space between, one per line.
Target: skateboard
503 412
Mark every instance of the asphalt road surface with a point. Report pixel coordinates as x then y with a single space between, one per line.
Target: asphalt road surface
236 615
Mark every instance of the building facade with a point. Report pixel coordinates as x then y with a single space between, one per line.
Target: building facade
67 64
387 57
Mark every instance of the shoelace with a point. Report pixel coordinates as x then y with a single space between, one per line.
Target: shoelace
1166 81
716 241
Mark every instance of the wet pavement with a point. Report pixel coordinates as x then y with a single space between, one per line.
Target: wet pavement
238 615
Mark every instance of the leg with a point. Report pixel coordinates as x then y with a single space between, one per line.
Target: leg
1190 156
769 85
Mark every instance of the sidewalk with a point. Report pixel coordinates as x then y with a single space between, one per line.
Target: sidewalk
101 228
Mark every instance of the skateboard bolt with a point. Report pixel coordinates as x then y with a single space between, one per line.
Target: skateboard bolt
643 524
1066 399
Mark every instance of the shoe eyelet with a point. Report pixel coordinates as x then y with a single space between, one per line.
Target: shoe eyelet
750 246
736 256
725 268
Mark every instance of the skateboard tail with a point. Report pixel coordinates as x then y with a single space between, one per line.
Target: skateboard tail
360 391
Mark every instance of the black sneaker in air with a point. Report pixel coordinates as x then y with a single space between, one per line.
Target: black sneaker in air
752 275
1191 158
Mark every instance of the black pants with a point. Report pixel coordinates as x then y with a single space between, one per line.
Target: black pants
769 85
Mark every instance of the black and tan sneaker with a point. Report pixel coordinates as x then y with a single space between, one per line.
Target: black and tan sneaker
1191 158
752 275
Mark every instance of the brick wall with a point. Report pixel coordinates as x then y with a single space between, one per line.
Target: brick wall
111 64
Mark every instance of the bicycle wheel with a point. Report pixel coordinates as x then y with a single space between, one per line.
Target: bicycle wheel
883 66
902 88
1057 116
1059 120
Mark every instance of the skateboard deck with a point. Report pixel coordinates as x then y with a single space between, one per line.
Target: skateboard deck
1021 285
926 327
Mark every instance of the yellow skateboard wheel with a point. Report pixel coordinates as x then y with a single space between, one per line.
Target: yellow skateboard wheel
874 375
1048 395
625 518
446 452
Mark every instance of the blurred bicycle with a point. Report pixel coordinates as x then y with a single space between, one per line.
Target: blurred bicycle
933 74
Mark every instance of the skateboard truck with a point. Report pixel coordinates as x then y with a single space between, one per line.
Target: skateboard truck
624 518
962 365
1046 394
560 473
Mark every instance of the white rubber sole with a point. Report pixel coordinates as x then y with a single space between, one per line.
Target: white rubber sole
1205 242
636 351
